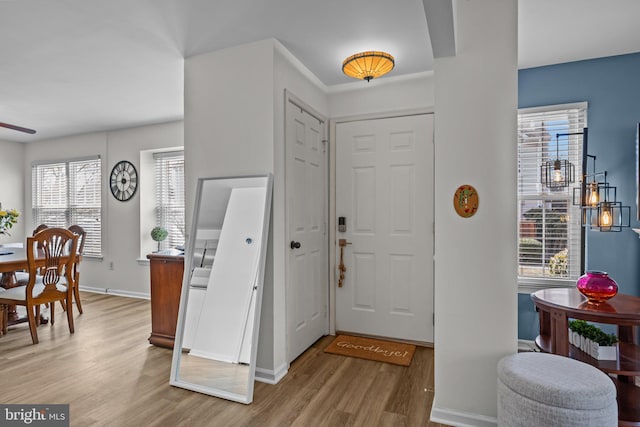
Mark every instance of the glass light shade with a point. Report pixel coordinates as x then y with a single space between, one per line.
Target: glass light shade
592 196
368 65
558 176
606 216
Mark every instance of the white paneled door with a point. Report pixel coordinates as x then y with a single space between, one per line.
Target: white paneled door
384 190
306 192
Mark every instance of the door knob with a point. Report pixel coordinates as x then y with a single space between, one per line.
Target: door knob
295 245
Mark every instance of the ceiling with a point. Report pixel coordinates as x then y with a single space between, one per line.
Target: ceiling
75 66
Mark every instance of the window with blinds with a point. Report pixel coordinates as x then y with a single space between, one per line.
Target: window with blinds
169 170
550 233
69 192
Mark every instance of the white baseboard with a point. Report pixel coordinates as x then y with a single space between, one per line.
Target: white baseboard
117 292
461 419
270 376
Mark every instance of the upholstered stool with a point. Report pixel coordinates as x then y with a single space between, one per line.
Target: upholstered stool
539 389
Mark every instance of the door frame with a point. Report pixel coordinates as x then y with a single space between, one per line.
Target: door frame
333 269
290 97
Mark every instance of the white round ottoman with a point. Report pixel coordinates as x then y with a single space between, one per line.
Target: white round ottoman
539 389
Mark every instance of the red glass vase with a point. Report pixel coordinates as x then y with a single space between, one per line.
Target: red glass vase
597 286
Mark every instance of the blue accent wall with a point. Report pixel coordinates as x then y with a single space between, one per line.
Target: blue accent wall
611 86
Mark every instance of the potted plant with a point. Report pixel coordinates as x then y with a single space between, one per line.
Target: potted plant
158 234
592 340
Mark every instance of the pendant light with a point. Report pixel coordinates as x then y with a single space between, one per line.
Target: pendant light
368 65
598 200
592 191
559 173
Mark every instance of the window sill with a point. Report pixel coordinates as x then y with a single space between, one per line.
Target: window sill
529 286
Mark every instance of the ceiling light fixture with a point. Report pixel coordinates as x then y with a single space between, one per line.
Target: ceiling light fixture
368 65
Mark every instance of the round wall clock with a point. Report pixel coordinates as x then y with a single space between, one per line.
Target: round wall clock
124 180
465 201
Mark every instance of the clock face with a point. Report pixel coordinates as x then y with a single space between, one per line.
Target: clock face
124 180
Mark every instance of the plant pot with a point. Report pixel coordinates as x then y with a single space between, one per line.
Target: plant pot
593 349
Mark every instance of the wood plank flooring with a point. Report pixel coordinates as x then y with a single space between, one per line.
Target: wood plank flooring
111 376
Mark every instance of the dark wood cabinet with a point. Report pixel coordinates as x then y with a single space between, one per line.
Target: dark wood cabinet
166 268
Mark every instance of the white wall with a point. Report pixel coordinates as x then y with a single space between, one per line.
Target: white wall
229 131
12 195
122 240
120 227
234 125
391 94
475 269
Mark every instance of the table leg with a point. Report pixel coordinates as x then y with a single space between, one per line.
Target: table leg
626 334
8 280
559 331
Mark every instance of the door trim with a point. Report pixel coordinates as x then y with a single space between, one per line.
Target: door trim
290 97
332 193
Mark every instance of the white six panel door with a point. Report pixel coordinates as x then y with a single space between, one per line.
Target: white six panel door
384 188
307 290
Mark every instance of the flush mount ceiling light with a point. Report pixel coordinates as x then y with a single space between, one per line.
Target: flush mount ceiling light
368 65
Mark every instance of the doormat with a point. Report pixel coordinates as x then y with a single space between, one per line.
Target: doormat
372 349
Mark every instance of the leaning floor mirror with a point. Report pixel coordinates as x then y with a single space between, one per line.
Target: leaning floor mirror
218 321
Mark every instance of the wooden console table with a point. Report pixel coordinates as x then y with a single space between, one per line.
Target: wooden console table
557 306
166 269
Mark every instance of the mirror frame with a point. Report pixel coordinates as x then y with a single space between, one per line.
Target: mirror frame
182 312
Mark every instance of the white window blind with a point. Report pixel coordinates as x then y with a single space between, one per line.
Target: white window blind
169 169
550 233
69 192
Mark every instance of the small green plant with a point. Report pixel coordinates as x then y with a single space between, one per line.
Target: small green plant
559 263
158 234
592 332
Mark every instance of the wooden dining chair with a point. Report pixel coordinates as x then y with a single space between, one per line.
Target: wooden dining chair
54 249
21 277
76 229
39 229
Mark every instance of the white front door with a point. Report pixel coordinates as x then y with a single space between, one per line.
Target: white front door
306 204
384 190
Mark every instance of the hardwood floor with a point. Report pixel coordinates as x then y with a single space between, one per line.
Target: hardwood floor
111 376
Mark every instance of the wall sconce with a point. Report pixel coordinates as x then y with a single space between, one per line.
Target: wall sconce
368 65
558 173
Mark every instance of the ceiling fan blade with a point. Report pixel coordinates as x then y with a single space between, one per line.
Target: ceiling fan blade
18 128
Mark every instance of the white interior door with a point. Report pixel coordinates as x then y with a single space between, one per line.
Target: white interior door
384 189
307 277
